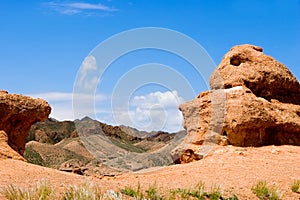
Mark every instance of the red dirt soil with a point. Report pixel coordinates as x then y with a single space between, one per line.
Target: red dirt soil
234 169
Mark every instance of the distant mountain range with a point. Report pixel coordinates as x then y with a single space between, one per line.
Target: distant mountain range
90 147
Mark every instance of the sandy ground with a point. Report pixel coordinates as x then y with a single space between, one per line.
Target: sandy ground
234 169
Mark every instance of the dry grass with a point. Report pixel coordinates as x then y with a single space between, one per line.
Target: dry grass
42 191
88 191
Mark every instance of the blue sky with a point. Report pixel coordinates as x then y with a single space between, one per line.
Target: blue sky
44 43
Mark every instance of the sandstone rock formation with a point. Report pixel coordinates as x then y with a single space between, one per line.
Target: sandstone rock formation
186 157
267 78
17 114
5 150
254 101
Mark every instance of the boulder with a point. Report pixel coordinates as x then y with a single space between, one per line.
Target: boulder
17 114
186 157
247 65
74 165
254 101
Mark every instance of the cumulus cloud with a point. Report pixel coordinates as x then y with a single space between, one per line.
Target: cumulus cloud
153 111
169 99
72 8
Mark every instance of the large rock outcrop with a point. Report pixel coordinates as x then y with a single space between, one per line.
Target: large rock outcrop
254 101
17 114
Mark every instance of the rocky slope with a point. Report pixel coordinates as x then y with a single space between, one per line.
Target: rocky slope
59 145
254 101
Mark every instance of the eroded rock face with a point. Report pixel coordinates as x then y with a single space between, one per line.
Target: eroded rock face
17 114
247 65
255 121
5 150
261 103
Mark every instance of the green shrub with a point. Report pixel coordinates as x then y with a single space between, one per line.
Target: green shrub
129 191
262 191
136 193
199 193
296 185
152 193
215 193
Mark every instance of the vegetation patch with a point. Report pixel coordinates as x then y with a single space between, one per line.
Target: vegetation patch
87 191
32 156
128 146
262 191
296 185
153 193
200 193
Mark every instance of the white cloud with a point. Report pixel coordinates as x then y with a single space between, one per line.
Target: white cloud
72 8
153 111
89 6
87 78
54 96
89 64
169 99
62 104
